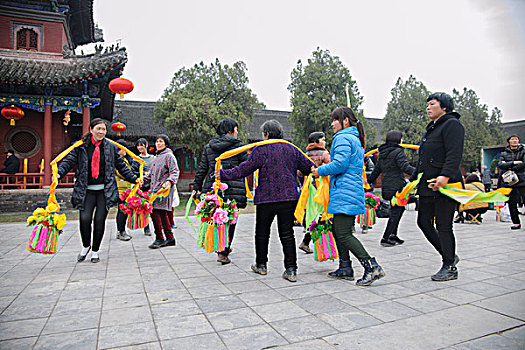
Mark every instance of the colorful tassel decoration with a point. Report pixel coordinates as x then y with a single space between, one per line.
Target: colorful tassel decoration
325 248
368 218
137 220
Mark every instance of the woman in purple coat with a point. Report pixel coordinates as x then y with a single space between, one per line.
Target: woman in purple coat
276 195
164 172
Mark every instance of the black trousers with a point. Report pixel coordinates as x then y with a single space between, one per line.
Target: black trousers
121 218
514 199
231 233
396 212
265 213
441 209
95 202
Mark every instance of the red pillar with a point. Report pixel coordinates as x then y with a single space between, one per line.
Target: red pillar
85 119
48 128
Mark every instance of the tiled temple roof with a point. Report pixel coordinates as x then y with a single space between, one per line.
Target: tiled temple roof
58 71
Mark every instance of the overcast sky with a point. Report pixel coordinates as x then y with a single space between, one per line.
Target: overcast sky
479 44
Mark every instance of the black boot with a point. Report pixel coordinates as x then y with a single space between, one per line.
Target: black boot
344 271
372 272
446 273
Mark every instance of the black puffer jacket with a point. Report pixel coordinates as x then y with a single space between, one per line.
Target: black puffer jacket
393 163
506 162
440 152
79 157
204 178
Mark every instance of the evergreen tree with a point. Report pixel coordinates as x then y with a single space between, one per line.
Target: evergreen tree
199 97
317 88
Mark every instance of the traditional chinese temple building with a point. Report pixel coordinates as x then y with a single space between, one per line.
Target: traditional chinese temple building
57 91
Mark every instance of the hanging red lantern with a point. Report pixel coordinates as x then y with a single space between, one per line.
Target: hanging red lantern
121 86
13 113
118 127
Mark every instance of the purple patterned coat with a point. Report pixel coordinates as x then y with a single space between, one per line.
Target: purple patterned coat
278 164
163 168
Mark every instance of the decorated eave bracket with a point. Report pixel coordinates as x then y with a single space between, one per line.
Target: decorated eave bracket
58 103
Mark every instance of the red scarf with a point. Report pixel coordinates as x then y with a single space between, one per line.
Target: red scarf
95 160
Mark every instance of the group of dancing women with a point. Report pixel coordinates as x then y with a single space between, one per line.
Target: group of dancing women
440 151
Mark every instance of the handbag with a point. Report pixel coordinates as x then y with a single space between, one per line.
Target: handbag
510 178
383 210
176 198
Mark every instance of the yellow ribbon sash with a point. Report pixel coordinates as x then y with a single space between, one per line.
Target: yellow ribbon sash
236 151
54 169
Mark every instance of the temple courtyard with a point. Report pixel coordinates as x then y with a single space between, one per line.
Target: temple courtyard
181 298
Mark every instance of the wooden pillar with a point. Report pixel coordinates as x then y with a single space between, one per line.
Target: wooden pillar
48 139
85 119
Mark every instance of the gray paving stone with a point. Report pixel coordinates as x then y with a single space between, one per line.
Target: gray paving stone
21 343
183 326
64 307
388 311
201 341
123 301
86 339
316 344
70 323
304 328
175 309
220 303
124 316
424 303
21 329
469 322
512 304
256 337
232 319
145 346
130 334
279 311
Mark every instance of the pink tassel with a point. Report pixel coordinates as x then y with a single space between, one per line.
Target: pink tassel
42 240
325 246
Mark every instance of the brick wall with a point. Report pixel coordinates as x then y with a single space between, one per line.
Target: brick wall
21 201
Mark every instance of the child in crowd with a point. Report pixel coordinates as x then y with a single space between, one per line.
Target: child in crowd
317 152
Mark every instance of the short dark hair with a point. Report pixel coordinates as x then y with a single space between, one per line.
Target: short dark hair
273 128
315 136
472 178
394 136
226 125
164 137
511 136
122 142
142 141
444 99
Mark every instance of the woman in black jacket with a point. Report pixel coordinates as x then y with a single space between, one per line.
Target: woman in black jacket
393 163
440 153
95 188
512 158
227 131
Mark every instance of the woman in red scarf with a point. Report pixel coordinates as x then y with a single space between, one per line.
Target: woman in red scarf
95 189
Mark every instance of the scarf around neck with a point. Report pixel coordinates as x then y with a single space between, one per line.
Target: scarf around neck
95 159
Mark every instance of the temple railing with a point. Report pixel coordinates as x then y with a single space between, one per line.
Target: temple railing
31 181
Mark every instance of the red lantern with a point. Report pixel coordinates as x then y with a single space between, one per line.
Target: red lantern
118 127
121 86
13 113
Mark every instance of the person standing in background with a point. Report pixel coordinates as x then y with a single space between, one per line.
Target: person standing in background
142 147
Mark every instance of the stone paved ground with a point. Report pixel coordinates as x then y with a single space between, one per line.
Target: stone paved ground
181 298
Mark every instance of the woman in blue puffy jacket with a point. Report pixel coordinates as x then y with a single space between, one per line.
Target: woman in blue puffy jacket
347 194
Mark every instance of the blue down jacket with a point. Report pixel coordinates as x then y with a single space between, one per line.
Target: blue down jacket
347 194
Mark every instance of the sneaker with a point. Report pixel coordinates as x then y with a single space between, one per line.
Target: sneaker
515 227
223 259
397 239
147 231
290 274
123 236
260 269
446 273
387 242
305 248
364 229
171 242
173 227
157 244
